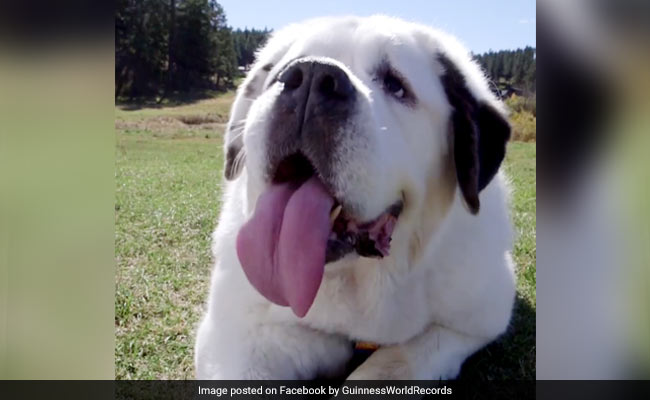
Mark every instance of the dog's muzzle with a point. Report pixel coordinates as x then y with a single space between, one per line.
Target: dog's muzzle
316 101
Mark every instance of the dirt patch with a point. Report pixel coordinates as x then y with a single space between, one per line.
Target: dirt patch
175 126
201 119
153 124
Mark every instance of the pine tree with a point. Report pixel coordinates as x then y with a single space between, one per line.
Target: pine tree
175 45
510 68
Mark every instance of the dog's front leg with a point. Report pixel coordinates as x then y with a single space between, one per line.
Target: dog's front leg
438 353
236 349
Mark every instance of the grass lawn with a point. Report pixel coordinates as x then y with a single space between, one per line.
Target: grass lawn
168 179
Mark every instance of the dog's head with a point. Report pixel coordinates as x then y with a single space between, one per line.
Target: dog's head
352 135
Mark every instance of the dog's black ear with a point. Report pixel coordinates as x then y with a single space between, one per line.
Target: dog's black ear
234 140
480 134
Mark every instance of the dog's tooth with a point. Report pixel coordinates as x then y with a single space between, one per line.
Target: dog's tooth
335 213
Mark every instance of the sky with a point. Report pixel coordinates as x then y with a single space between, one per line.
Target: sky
480 24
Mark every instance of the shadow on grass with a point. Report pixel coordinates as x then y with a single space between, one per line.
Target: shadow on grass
511 357
170 100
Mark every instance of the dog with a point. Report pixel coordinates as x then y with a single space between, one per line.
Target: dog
363 203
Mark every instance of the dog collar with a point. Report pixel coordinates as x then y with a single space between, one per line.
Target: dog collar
360 353
365 346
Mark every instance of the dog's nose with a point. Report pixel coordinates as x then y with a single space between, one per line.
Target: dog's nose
323 80
316 100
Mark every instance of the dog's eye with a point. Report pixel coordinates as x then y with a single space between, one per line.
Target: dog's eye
394 85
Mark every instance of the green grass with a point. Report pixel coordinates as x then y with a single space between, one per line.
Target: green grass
166 207
168 178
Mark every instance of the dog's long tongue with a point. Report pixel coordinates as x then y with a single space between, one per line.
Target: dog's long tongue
282 247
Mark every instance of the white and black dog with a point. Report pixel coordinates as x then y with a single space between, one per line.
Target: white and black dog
364 203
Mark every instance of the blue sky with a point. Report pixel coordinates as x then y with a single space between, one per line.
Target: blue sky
480 24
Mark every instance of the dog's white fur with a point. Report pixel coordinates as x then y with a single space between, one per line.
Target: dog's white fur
447 287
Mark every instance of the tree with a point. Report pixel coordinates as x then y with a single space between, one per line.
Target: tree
140 46
226 67
171 45
247 42
510 68
171 42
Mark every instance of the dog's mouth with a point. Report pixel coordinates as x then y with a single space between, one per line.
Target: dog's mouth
368 239
298 227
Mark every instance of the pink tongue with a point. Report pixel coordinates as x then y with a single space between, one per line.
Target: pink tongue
282 247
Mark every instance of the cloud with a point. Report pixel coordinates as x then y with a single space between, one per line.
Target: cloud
524 21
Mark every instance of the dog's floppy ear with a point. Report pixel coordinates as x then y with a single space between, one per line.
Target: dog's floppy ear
234 140
480 133
267 57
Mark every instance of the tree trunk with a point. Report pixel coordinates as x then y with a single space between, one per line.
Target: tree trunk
170 46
